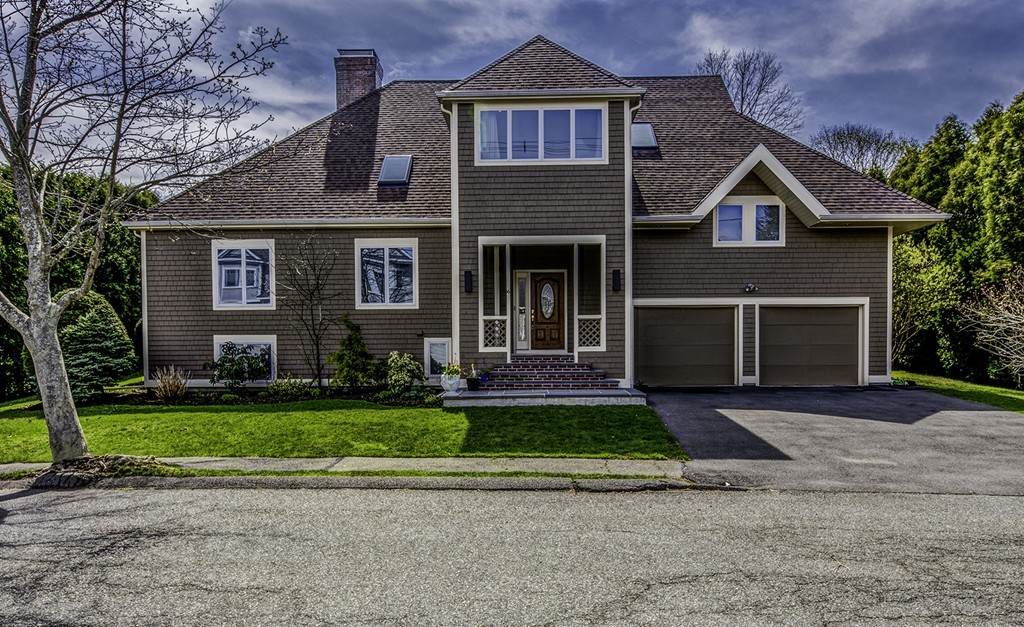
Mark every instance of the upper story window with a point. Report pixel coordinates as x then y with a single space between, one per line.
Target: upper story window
243 274
750 221
386 273
542 133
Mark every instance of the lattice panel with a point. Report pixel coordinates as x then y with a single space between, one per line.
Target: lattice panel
590 333
494 333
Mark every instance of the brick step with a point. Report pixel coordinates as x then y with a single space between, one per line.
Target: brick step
550 375
602 384
535 366
544 358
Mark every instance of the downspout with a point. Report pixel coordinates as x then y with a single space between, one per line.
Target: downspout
629 244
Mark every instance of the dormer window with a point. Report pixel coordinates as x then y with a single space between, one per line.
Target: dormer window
395 170
750 221
550 133
642 136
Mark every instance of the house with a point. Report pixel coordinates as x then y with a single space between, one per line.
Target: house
542 212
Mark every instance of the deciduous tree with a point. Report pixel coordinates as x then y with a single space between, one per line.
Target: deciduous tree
130 90
863 147
754 80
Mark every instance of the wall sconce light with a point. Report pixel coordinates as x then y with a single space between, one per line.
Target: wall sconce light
751 288
469 281
616 280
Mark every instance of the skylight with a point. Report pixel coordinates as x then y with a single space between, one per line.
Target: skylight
642 135
395 170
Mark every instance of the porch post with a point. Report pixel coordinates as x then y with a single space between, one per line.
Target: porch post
508 301
576 301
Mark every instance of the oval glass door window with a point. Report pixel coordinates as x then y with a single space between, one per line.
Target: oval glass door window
547 300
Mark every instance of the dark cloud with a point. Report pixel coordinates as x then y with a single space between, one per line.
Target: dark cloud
895 64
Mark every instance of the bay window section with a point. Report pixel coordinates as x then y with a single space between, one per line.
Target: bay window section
243 274
386 273
528 134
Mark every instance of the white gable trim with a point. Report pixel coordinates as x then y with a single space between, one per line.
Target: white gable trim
760 155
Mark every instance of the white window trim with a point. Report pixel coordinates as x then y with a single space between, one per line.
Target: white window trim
386 243
603 106
749 204
250 339
427 341
221 244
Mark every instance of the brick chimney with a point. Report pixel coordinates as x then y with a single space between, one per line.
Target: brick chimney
359 72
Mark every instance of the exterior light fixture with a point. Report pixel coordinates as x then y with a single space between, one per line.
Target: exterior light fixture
751 288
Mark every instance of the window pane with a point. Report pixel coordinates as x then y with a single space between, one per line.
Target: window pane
395 169
556 134
257 276
372 262
400 283
437 358
494 134
730 223
589 134
767 225
524 134
642 135
229 262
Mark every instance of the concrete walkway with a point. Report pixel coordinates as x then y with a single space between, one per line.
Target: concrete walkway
555 466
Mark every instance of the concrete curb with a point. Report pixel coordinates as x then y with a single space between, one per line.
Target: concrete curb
490 484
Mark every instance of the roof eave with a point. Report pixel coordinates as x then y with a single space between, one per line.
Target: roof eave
900 222
461 95
668 221
285 223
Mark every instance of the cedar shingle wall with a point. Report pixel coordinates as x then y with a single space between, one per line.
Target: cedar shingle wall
544 200
813 263
182 321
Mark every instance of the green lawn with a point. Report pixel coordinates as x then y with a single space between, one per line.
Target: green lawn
339 428
1004 398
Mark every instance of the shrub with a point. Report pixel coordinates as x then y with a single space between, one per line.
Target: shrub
353 359
229 398
171 383
403 372
96 346
239 364
288 389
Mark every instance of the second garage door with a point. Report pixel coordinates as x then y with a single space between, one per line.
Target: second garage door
679 346
809 345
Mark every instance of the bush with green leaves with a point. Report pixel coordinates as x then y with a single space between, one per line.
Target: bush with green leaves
403 372
96 346
353 360
287 388
239 364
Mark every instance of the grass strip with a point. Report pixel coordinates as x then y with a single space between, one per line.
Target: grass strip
1004 398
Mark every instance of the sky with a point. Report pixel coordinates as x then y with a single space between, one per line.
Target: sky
901 65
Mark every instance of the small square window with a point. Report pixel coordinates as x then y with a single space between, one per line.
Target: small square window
262 346
750 221
730 223
437 354
386 273
767 223
642 135
243 274
395 170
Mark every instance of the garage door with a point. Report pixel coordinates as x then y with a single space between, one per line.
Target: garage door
678 346
809 345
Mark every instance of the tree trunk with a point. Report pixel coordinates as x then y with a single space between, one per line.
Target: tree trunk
67 440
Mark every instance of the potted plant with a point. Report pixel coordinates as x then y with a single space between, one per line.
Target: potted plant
473 380
451 376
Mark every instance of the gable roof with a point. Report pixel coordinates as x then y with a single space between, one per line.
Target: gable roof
327 172
702 140
540 64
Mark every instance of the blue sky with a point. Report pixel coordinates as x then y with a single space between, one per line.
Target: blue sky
897 64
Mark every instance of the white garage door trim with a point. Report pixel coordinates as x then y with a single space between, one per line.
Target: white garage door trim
862 302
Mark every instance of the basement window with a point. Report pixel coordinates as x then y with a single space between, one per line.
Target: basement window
395 170
642 136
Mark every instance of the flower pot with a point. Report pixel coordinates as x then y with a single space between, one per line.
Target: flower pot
450 382
473 383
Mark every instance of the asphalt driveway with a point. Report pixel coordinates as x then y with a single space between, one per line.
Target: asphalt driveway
861 439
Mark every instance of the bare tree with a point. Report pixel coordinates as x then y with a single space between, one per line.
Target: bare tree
135 90
754 80
999 322
308 297
863 147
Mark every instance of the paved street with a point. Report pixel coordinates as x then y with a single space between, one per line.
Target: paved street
203 557
861 439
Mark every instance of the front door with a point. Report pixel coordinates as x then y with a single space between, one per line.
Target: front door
548 312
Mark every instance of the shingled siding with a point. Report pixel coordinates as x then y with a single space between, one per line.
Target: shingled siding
536 200
182 321
813 263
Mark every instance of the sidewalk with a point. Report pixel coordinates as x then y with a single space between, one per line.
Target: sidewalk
554 466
